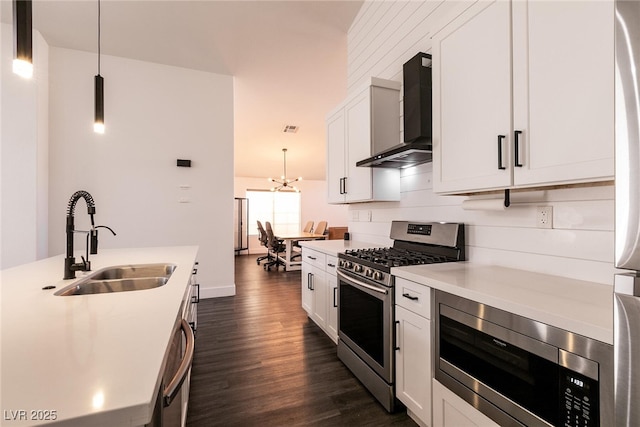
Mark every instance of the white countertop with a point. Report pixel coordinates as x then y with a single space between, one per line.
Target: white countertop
334 247
585 308
93 359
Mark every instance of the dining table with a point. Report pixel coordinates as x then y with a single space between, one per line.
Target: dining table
289 238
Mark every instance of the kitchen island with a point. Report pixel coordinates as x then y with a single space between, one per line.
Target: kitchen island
87 359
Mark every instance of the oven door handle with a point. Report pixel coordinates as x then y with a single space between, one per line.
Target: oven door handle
362 284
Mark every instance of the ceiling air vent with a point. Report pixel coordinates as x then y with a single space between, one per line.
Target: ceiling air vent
290 129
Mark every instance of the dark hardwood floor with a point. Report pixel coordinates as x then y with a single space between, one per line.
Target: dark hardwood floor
260 361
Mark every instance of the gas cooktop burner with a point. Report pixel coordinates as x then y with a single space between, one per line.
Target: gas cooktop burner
394 257
413 244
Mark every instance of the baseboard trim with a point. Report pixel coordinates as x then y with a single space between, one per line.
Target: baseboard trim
217 292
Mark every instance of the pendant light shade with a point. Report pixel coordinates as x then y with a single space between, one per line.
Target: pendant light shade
22 41
98 122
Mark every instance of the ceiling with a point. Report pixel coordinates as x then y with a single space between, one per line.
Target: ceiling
288 59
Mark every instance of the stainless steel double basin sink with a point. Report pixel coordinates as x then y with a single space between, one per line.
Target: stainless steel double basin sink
121 278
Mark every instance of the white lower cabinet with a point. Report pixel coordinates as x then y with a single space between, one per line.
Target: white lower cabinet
319 290
450 410
307 292
320 308
332 287
413 349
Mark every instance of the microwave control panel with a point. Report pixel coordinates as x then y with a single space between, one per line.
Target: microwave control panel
579 400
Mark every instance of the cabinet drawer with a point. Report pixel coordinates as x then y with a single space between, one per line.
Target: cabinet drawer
331 264
414 297
315 258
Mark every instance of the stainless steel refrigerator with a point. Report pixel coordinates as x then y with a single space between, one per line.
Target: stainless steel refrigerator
627 205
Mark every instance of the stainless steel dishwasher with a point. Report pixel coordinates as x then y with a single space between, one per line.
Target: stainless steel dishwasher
168 411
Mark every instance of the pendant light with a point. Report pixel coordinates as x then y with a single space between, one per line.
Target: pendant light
98 123
283 183
22 42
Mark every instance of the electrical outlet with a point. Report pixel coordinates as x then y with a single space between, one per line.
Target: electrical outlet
544 217
369 216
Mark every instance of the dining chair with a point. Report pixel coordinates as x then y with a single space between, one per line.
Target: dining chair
276 247
321 228
264 241
308 227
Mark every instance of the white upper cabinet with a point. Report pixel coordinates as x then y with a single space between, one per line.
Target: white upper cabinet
336 156
523 96
369 115
563 77
472 100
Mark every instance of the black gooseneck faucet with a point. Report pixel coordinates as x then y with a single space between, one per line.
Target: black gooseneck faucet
70 265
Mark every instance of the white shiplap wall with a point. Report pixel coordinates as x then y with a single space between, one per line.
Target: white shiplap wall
384 35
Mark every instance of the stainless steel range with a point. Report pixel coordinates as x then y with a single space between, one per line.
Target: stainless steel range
366 320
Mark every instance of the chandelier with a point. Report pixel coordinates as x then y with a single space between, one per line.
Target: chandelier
284 184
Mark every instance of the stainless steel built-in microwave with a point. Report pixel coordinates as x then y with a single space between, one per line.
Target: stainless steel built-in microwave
521 372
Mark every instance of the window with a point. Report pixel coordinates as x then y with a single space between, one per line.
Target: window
280 208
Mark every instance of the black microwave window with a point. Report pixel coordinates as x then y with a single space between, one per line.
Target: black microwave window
361 319
525 378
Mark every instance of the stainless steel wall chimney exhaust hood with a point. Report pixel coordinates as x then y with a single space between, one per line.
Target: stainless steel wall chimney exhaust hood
417 120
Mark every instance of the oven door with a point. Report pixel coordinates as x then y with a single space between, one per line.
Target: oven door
365 320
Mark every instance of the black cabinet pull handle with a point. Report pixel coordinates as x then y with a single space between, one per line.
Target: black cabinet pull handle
331 265
411 297
311 257
195 299
342 185
310 281
335 297
194 271
516 146
500 165
397 347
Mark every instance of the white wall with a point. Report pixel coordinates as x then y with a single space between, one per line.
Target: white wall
154 114
23 155
383 36
313 200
